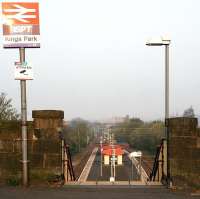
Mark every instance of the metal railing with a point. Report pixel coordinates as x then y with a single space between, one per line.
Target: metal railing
158 166
69 174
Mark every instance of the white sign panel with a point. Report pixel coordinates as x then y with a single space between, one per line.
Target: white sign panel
23 71
112 179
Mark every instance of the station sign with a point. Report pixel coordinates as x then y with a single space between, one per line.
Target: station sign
113 158
21 26
23 71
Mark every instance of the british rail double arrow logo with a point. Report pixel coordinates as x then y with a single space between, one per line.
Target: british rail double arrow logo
21 13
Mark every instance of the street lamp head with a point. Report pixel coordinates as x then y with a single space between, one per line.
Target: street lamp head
160 41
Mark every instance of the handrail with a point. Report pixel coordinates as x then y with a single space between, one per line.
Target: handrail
68 167
155 170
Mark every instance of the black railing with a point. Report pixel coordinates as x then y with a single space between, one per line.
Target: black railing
155 170
68 166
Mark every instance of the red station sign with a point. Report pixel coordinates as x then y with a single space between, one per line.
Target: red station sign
21 26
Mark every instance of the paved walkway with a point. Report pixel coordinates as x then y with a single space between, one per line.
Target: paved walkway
86 170
91 193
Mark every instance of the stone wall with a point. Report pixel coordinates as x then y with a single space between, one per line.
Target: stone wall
184 152
10 148
44 149
47 122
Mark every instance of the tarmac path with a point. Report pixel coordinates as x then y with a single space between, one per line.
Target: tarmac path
91 193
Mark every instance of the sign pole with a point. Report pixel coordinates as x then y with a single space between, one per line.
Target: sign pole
114 162
21 29
24 122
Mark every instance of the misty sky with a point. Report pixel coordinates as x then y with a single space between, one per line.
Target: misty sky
93 62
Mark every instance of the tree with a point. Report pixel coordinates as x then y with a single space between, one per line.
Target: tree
77 134
7 112
140 135
189 112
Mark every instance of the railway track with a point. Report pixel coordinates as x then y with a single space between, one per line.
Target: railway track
87 169
124 172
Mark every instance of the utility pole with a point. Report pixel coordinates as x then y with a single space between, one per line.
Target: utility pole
101 169
24 122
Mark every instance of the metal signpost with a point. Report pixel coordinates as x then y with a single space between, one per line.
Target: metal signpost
21 30
113 159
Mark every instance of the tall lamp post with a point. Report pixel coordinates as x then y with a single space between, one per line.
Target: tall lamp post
164 42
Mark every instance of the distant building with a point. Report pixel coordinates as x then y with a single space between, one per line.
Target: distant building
115 120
